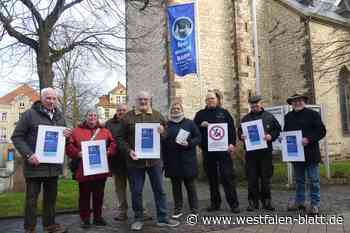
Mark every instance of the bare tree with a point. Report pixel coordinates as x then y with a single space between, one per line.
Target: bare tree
46 30
330 56
78 92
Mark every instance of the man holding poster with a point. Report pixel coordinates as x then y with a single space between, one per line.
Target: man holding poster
259 162
43 112
313 130
138 165
216 162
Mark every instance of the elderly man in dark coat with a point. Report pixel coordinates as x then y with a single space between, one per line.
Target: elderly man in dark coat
259 167
313 130
43 112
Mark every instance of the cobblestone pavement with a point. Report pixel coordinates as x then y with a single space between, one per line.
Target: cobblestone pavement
335 201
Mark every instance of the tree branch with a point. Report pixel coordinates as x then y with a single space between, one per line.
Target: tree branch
29 4
19 36
58 10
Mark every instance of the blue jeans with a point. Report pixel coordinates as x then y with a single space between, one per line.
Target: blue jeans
313 174
137 180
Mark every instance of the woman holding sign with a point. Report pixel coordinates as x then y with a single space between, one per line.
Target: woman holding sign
179 155
94 159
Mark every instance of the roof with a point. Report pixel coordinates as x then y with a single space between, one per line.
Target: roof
119 89
104 102
329 10
25 90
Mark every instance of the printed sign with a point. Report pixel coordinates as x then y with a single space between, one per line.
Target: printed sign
217 137
147 140
50 144
254 135
94 155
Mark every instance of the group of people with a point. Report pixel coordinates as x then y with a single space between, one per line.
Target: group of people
178 160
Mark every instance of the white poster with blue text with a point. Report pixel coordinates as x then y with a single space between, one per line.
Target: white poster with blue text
183 38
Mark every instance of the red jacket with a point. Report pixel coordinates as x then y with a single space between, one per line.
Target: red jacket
84 133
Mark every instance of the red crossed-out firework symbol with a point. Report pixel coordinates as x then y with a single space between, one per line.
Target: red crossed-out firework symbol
217 133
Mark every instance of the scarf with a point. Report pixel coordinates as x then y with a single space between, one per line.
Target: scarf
176 118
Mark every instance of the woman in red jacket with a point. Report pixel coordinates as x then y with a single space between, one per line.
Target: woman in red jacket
93 184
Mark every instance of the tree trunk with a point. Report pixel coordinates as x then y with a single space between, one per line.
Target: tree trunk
64 112
44 65
75 108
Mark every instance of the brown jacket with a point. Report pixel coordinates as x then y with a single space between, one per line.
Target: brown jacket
129 121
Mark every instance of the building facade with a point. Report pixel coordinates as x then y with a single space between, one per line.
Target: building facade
302 46
107 103
12 105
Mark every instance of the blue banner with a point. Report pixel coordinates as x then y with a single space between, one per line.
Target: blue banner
183 38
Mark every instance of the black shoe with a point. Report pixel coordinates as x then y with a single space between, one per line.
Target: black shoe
235 210
212 208
85 224
194 211
267 205
252 205
100 222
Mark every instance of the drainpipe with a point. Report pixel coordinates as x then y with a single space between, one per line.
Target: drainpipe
256 50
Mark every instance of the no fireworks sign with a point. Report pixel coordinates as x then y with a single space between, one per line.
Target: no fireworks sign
217 137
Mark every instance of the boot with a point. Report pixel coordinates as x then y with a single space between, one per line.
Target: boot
267 205
213 208
252 205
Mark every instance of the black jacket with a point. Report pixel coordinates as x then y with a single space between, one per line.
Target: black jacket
271 126
312 127
25 135
118 163
215 115
180 161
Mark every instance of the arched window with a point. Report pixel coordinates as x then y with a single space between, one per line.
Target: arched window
344 97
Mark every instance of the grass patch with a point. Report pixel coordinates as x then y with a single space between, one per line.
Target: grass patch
12 203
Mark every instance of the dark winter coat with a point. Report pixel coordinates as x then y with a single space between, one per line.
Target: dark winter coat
312 127
84 133
215 115
271 126
180 161
25 135
118 163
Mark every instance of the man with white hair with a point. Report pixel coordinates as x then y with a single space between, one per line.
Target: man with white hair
43 112
143 113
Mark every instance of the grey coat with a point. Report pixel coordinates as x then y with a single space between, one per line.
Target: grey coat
25 135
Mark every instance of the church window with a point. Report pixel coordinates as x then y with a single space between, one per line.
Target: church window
344 97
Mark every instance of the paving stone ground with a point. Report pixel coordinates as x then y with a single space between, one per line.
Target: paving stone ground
335 201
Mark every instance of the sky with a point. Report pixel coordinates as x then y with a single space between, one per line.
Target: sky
10 78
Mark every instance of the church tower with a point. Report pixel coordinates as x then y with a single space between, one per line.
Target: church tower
225 56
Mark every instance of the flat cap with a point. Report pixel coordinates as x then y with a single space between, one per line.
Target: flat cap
254 99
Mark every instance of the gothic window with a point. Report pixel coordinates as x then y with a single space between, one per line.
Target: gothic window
344 97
